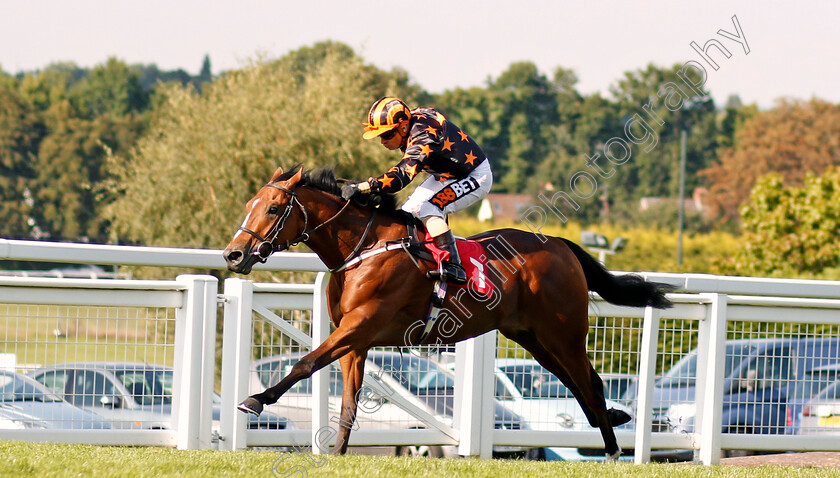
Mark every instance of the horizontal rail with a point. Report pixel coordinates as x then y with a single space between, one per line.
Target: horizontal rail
780 442
94 437
104 284
93 292
284 288
748 285
106 254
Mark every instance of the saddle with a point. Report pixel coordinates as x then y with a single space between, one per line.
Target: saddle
418 249
473 258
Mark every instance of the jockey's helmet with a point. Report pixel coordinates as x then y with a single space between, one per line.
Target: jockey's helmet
386 114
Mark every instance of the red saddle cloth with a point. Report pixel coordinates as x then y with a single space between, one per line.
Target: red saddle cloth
472 258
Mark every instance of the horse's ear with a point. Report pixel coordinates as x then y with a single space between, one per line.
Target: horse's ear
296 178
276 174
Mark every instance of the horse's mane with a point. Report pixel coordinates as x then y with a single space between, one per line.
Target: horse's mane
323 178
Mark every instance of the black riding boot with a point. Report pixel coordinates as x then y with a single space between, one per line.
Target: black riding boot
452 268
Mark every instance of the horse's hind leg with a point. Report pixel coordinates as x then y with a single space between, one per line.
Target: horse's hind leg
353 373
572 366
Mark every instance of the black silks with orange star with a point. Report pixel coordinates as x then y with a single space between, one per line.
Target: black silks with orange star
434 145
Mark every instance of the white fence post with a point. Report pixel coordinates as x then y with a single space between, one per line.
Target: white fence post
647 377
236 360
709 406
193 377
321 378
475 394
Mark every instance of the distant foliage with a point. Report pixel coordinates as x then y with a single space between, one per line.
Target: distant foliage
794 138
187 181
647 249
789 230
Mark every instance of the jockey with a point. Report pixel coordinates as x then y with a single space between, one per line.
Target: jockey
460 172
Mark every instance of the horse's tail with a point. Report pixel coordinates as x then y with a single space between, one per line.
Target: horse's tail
627 289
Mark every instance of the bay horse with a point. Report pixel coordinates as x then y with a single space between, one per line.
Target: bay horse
542 303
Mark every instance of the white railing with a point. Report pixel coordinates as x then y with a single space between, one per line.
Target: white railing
190 349
712 304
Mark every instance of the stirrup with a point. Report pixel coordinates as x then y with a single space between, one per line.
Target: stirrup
449 275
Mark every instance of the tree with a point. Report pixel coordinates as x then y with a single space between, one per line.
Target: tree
790 230
653 170
509 119
113 88
19 131
69 170
148 76
187 180
792 139
46 88
205 75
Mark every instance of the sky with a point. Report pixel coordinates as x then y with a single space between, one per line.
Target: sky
792 46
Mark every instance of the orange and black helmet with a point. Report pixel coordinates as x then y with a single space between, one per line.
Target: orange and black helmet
386 114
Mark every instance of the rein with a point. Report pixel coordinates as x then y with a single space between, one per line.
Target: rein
266 246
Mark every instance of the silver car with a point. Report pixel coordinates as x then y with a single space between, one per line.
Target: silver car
130 395
28 404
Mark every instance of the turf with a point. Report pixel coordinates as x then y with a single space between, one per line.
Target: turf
48 460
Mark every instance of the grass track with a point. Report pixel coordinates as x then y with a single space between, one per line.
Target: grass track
51 460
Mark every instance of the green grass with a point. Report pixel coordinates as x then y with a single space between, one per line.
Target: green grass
46 460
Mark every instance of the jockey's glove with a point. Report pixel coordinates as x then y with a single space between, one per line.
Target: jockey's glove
349 191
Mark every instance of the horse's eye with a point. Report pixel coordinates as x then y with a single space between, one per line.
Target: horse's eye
272 210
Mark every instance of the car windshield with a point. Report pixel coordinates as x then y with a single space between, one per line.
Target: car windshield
684 372
615 387
814 381
273 371
831 392
534 381
17 388
148 386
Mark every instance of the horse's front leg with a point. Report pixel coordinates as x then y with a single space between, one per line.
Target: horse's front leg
353 373
349 336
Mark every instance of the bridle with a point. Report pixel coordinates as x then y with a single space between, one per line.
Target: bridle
266 246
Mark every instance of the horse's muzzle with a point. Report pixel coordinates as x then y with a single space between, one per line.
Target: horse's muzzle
238 261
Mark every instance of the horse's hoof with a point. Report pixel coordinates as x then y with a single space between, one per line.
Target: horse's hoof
250 405
618 417
614 456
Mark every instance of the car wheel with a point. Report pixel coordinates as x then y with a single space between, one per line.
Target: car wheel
420 450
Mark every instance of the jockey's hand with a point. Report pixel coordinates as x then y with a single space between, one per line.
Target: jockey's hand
349 191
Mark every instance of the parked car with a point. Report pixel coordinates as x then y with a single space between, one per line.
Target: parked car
28 404
759 379
544 403
813 381
422 382
14 420
130 395
616 386
821 414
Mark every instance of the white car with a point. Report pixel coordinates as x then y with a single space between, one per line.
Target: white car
545 404
421 382
821 415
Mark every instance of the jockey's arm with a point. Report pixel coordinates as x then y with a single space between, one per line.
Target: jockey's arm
411 164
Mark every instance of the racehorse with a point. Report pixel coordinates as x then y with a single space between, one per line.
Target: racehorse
543 286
